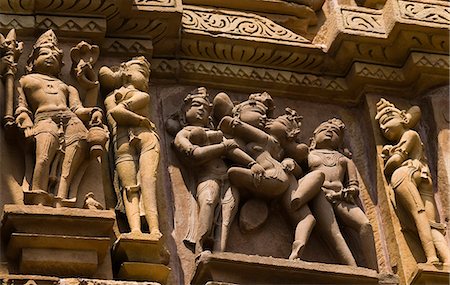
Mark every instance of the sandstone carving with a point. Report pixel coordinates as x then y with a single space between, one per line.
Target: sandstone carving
341 185
135 141
51 113
202 147
272 172
10 51
406 168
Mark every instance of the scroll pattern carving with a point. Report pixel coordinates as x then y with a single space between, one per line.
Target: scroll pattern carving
85 6
238 24
366 22
166 3
428 12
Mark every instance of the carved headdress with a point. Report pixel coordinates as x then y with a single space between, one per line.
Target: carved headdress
46 40
386 111
177 120
292 121
336 123
262 101
139 60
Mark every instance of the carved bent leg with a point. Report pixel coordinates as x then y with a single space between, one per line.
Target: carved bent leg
329 228
266 187
353 217
148 168
208 194
230 204
46 147
408 195
126 170
308 187
74 156
304 223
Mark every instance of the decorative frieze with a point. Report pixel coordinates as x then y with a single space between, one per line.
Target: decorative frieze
426 11
236 24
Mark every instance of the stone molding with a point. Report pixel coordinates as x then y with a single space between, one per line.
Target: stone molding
361 78
350 35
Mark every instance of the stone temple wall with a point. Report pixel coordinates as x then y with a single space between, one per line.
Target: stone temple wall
192 142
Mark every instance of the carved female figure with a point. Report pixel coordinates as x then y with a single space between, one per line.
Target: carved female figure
341 185
406 167
247 129
136 143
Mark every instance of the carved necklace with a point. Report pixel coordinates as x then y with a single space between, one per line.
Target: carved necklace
329 158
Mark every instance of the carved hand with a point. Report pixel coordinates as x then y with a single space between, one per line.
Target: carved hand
230 144
24 121
257 171
288 164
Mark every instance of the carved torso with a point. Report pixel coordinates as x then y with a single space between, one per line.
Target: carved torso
44 93
332 163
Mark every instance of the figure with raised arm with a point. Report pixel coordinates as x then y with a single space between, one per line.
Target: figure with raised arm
135 141
406 168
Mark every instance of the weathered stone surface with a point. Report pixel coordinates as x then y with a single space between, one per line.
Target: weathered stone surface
221 267
73 242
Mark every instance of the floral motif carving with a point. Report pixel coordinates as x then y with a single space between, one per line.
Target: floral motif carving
236 24
428 12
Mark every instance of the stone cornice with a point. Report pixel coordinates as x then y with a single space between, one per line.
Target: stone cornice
383 41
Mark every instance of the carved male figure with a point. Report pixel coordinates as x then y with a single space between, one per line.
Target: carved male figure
406 167
341 185
203 148
51 112
134 139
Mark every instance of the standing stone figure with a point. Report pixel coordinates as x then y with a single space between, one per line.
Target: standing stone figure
406 167
341 185
202 148
135 141
51 112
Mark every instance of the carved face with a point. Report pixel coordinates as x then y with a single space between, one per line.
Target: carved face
328 136
253 115
198 112
137 75
47 61
278 128
392 127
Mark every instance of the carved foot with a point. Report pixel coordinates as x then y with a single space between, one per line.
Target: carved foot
297 248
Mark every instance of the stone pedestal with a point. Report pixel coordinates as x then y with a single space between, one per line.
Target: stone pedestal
428 274
141 257
61 242
222 268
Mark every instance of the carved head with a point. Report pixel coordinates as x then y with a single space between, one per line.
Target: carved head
46 56
197 108
285 126
255 110
393 121
328 135
136 72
